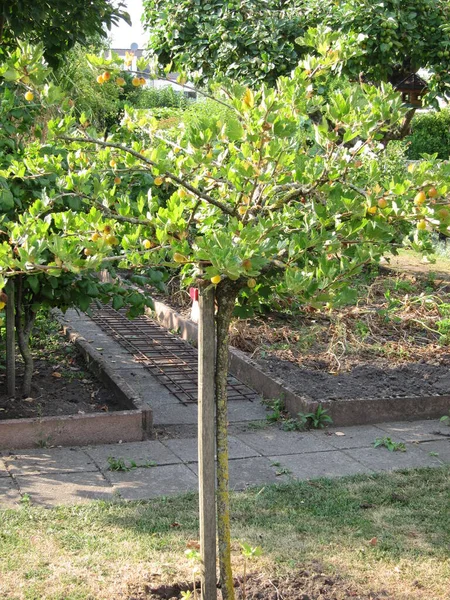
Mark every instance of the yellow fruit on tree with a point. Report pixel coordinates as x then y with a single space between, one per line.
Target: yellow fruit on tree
142 81
106 76
158 181
216 279
111 240
443 214
372 210
95 237
420 198
179 258
382 203
136 81
107 229
120 81
432 192
251 283
422 225
147 244
247 264
100 79
117 180
242 210
112 163
87 252
2 305
29 96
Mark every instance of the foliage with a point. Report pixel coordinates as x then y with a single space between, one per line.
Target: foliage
256 41
57 25
430 135
317 419
165 97
392 446
103 104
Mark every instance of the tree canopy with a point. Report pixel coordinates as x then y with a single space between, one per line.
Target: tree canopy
58 25
259 40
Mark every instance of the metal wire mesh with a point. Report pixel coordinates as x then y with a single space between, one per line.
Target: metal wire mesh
170 359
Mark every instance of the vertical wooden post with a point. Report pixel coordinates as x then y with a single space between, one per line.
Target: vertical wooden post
206 441
10 341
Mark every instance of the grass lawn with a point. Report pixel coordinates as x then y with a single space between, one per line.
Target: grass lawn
120 550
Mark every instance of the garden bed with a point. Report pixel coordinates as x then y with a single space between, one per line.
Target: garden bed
76 398
386 358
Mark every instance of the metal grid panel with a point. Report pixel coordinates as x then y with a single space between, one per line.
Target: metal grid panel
168 358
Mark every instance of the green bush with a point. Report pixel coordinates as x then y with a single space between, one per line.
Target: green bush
430 135
165 97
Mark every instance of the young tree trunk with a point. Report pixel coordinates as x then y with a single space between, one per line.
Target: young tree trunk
25 317
10 341
226 297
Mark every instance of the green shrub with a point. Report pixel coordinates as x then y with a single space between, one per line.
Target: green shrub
430 135
165 97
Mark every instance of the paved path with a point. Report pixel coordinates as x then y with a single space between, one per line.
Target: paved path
169 465
259 454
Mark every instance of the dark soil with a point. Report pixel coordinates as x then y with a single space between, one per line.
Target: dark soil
61 383
304 585
364 381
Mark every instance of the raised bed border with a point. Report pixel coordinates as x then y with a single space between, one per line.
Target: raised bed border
360 411
134 424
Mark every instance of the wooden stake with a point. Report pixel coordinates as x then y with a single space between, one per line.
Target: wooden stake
10 341
206 442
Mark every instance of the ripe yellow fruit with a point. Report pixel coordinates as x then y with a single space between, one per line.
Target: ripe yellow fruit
87 252
443 214
216 279
432 192
147 244
372 210
2 305
112 163
100 79
420 198
117 180
107 229
142 80
158 181
247 264
29 96
242 210
95 237
111 240
179 258
251 283
120 81
106 76
382 203
422 225
136 81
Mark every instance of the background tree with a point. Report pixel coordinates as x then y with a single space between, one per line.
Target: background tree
257 41
264 197
57 25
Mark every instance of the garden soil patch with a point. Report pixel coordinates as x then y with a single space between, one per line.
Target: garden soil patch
61 385
304 585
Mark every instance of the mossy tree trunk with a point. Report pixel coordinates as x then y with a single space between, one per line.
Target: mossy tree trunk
10 340
226 294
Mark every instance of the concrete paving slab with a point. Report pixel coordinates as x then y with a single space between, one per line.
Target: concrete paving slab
442 448
9 494
273 442
148 387
414 431
244 410
52 460
140 452
320 464
141 484
187 449
53 489
358 436
174 414
247 472
381 459
3 471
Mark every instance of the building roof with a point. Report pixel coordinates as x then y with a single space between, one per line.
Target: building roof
411 82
